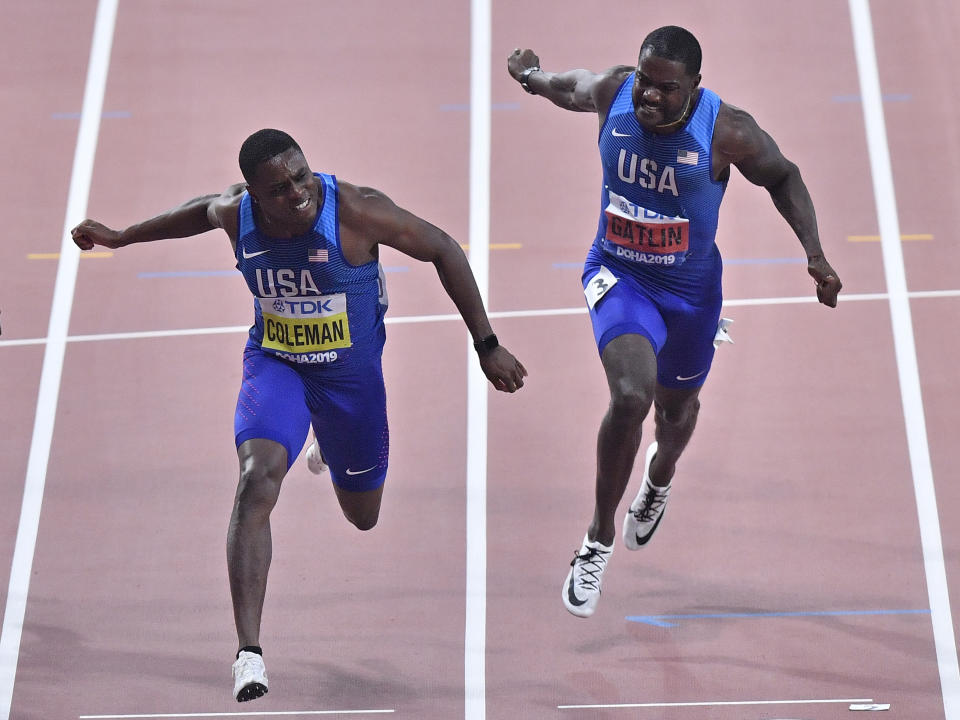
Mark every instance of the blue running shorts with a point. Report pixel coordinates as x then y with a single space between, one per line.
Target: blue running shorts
680 332
279 402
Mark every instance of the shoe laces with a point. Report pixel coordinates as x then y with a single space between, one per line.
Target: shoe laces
652 505
592 563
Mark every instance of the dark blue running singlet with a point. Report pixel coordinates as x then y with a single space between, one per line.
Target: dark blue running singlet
659 202
311 307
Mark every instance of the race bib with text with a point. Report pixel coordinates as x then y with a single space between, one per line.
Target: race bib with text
305 324
644 236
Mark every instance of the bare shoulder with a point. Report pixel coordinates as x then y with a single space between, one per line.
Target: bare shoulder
229 199
222 210
617 73
360 204
736 134
608 82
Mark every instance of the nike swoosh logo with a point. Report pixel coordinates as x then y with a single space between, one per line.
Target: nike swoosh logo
360 472
691 377
620 134
574 600
646 538
247 256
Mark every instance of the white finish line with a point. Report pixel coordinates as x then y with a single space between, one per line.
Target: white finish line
275 713
715 703
515 314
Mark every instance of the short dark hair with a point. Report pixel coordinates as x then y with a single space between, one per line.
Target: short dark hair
261 146
675 43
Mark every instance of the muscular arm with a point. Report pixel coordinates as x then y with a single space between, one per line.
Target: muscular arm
740 142
577 90
193 217
369 218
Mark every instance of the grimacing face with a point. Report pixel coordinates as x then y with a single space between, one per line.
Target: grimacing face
662 91
286 191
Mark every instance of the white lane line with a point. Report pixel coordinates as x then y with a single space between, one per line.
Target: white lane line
275 713
906 354
714 703
49 391
411 319
475 626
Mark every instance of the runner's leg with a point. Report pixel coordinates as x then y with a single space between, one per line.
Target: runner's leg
631 369
271 422
676 412
349 416
263 463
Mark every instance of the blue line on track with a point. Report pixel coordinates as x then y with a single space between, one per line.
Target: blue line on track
726 261
188 273
76 115
662 620
223 273
765 261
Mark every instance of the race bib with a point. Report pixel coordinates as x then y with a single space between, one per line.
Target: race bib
305 324
598 285
644 236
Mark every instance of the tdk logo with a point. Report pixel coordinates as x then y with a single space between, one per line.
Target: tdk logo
310 306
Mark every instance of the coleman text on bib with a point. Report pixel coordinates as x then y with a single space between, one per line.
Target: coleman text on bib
305 324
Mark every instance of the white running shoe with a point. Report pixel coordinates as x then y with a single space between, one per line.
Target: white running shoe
581 589
646 510
249 677
315 461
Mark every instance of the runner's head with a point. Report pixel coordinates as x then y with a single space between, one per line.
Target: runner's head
280 181
667 78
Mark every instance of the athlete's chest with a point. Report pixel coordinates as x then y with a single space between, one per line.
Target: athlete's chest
301 267
671 166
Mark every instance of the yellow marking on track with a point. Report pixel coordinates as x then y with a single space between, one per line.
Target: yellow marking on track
56 256
497 246
876 238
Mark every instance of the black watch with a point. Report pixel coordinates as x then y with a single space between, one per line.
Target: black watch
525 78
485 345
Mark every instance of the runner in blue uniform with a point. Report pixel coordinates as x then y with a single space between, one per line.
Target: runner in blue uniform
652 275
307 246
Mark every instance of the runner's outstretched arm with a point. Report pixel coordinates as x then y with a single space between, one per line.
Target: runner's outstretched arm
577 90
741 142
196 216
374 217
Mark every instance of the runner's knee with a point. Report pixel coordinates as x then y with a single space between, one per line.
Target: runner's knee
366 520
630 402
678 414
258 489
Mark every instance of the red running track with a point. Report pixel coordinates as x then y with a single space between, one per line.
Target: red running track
796 495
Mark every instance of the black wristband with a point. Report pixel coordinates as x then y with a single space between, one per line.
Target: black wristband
525 78
485 345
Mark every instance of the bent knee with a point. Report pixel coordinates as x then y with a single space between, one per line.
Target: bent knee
259 488
679 413
630 402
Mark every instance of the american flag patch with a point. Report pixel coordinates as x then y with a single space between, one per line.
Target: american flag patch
687 157
318 255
